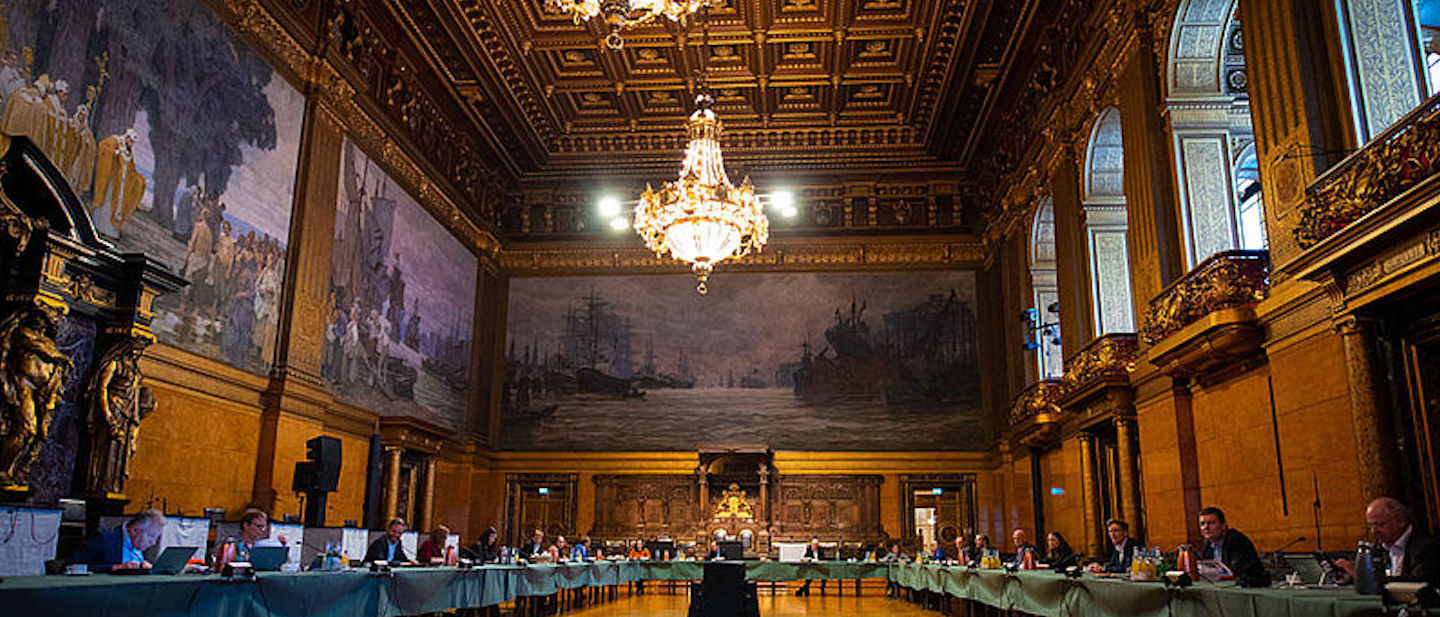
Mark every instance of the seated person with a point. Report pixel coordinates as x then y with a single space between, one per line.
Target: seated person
387 547
1058 553
122 547
432 551
254 531
1414 555
815 552
486 548
893 553
638 550
1232 548
714 552
977 550
535 548
1122 548
934 552
960 551
559 551
582 551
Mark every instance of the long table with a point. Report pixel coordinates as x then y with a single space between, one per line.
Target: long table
1052 595
414 591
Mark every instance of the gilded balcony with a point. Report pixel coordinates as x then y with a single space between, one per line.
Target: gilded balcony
1207 319
1108 359
1035 412
1397 160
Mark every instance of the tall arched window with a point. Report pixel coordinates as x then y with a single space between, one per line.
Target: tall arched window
1106 226
1392 58
1211 130
1048 354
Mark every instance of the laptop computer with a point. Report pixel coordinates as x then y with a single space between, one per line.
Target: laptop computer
268 558
173 560
1306 566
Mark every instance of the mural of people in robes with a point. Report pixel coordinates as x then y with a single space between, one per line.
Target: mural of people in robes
180 140
402 302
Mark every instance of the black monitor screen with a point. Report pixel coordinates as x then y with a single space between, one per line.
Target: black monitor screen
731 550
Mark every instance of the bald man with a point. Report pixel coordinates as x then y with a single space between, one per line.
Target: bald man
1414 555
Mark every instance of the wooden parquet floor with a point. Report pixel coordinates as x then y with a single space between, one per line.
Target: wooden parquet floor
770 606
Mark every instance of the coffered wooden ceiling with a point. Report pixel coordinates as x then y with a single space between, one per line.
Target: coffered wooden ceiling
802 85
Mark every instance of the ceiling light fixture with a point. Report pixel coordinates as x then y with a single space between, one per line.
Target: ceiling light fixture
624 14
700 218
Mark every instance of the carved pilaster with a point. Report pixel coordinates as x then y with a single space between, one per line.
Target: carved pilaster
1369 409
1072 271
392 482
1297 104
427 501
1154 231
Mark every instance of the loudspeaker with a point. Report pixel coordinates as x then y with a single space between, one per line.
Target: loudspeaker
322 472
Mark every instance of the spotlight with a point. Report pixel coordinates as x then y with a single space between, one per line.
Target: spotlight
619 224
784 203
609 207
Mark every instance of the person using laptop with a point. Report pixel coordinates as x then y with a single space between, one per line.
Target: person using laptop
122 547
387 547
254 532
432 552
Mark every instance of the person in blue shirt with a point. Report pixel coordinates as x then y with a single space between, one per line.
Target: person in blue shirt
122 547
387 547
581 552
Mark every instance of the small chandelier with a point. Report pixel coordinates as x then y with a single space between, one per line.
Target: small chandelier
701 218
622 14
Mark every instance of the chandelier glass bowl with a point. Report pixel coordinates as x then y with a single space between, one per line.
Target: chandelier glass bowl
701 218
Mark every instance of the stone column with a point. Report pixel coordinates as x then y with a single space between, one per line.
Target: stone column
427 502
1298 103
702 498
392 483
1375 449
1072 263
764 514
1129 487
1088 493
1154 229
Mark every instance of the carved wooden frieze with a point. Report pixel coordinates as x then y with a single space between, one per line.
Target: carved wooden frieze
830 506
645 506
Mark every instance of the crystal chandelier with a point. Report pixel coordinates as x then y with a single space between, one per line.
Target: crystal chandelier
701 218
622 14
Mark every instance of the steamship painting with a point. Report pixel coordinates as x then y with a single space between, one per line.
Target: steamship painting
815 361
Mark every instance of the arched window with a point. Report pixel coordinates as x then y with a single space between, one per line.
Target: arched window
1211 130
1392 58
1049 357
1106 226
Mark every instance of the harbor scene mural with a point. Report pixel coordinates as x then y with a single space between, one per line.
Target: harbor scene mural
182 143
402 302
810 361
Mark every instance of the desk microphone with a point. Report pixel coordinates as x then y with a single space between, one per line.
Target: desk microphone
1289 544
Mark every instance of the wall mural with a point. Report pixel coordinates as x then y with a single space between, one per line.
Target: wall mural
402 301
181 141
792 361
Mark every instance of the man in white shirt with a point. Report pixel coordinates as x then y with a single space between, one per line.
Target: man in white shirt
1414 555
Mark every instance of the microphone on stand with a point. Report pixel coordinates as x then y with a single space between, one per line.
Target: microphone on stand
1277 559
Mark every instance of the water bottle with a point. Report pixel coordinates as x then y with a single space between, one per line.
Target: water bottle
1027 558
1370 569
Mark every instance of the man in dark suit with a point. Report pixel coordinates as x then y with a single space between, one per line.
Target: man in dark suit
812 552
121 547
1232 548
1122 548
387 547
1414 555
535 548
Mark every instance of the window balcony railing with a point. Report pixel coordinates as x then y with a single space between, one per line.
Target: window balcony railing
1038 403
1228 279
1393 162
1109 358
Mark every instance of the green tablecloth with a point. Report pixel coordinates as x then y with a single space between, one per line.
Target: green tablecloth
427 590
1049 594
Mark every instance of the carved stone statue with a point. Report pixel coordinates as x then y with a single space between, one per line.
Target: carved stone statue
117 405
33 371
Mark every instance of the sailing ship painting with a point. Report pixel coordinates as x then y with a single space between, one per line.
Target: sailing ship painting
402 301
794 361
